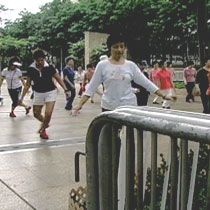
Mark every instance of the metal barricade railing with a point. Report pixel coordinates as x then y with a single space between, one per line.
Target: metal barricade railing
102 160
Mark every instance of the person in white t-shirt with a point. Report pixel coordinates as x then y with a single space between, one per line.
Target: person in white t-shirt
79 76
13 77
116 74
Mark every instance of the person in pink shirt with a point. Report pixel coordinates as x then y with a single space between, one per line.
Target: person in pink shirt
154 79
189 80
170 68
166 84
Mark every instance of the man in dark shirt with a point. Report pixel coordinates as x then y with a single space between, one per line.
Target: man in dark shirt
203 83
141 93
42 74
68 78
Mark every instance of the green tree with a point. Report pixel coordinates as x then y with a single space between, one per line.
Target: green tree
153 27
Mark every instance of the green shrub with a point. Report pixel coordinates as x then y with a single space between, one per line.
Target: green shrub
199 198
179 85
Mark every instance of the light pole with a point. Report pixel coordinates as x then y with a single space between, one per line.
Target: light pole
208 42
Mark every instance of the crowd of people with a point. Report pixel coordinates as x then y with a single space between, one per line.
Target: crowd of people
122 83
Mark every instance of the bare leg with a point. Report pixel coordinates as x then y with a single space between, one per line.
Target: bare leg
27 108
37 110
23 105
48 113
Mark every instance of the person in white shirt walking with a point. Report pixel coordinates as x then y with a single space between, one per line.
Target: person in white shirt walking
13 76
116 74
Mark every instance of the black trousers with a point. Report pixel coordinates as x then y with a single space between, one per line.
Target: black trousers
70 99
142 98
206 102
189 86
14 95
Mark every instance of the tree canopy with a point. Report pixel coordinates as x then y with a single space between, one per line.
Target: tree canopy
155 28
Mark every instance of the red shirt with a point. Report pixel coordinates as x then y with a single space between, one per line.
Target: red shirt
165 78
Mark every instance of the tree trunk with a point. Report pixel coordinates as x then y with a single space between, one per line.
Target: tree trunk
202 29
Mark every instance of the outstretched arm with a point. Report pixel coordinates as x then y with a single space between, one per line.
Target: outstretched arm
61 83
79 106
164 96
26 88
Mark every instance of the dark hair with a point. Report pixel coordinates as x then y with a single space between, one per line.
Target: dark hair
154 62
169 63
143 63
38 54
206 59
190 63
89 66
69 58
12 60
115 38
161 63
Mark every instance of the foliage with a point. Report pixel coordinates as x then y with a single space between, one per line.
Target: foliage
156 28
199 198
10 46
2 9
179 85
97 52
77 51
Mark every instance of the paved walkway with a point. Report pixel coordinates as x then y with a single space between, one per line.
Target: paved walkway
37 174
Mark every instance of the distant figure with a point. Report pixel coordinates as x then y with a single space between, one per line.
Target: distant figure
14 78
68 78
154 79
170 68
79 77
142 94
189 80
87 78
202 85
165 78
88 75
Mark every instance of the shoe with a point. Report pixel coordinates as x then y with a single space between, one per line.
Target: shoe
28 110
68 108
41 128
43 134
92 101
168 107
155 102
11 114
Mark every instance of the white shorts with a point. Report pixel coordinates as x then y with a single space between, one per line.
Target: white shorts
42 98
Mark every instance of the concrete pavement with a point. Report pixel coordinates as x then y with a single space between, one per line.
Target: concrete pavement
39 174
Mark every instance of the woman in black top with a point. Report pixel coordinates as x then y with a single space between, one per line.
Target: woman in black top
45 92
203 83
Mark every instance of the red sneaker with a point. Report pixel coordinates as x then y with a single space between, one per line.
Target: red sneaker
43 134
11 114
28 110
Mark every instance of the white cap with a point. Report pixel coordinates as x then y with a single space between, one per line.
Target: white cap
103 57
16 64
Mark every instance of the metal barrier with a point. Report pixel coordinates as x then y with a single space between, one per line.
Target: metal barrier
102 161
178 76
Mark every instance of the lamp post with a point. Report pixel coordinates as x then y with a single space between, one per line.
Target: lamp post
208 33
